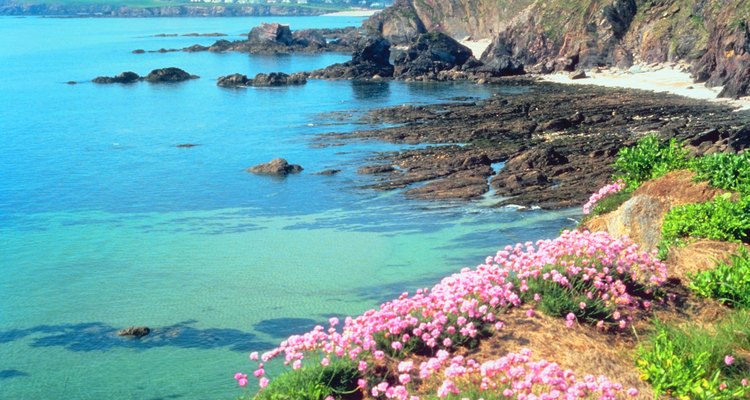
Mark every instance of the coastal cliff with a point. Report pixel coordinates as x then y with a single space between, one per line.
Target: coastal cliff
109 10
546 36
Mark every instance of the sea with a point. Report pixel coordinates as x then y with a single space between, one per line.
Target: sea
106 223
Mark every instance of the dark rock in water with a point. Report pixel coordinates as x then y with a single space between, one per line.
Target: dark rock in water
138 51
212 34
376 169
195 48
135 331
429 54
125 77
372 58
170 74
71 82
234 80
273 33
279 79
186 145
328 172
278 166
578 75
309 37
220 45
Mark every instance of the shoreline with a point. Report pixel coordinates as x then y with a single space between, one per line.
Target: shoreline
659 78
352 13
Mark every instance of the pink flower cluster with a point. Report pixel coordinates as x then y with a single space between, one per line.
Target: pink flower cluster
602 193
463 306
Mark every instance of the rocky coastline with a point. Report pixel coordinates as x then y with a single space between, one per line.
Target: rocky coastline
557 141
12 8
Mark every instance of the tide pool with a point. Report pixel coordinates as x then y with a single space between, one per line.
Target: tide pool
105 223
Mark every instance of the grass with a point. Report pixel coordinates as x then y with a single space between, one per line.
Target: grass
719 219
690 361
729 282
315 382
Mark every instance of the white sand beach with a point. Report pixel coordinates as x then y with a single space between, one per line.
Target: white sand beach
352 13
477 46
670 78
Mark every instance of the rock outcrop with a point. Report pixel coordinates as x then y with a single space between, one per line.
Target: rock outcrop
430 54
170 74
160 75
273 33
125 77
272 79
277 167
371 59
546 36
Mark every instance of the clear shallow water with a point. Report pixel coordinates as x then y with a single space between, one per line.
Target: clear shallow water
104 223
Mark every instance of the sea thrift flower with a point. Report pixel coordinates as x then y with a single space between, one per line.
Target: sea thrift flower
744 382
254 356
728 360
632 392
602 193
263 382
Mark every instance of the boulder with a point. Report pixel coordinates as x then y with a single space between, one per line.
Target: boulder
279 79
499 60
271 33
309 37
371 58
575 75
170 74
234 80
429 54
134 331
125 77
277 166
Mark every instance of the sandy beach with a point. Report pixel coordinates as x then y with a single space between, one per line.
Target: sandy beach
670 78
477 46
352 13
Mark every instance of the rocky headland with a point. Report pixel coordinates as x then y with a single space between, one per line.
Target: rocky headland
13 7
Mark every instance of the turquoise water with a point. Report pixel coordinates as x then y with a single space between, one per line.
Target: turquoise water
105 223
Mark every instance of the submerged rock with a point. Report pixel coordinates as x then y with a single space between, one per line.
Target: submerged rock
134 331
277 166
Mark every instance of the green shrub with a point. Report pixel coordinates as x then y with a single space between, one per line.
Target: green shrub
649 159
725 171
719 219
314 382
728 282
558 301
689 362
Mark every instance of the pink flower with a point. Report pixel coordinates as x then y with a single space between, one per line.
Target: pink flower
728 360
254 356
632 392
723 386
447 342
263 382
744 382
297 364
325 361
259 372
242 382
530 313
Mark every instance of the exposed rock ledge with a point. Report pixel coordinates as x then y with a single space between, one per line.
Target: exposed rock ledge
160 75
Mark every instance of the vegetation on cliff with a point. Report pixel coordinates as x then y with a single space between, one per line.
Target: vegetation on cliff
631 309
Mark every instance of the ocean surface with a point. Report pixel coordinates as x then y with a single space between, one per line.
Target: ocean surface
105 223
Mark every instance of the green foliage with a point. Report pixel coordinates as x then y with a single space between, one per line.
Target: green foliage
314 382
688 362
649 159
558 301
728 282
725 171
720 219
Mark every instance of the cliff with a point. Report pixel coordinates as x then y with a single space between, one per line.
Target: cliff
712 36
109 10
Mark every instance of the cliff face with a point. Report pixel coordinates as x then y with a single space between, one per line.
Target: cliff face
711 35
